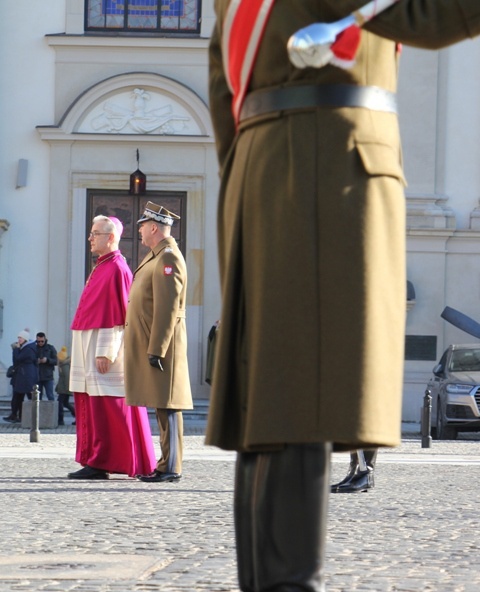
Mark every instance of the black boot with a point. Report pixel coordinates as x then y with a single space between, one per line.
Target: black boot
353 468
362 480
371 457
280 518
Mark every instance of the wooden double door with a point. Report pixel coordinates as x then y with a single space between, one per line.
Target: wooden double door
129 208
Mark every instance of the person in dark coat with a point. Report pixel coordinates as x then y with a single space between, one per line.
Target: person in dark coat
25 375
47 360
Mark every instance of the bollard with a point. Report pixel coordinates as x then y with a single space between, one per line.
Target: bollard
35 431
426 419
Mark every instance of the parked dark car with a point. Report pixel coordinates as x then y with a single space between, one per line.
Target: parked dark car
455 390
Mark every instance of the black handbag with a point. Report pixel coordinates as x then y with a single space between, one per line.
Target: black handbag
10 371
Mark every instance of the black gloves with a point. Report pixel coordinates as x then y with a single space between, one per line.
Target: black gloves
156 362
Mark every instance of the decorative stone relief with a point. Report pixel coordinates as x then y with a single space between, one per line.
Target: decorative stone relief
139 111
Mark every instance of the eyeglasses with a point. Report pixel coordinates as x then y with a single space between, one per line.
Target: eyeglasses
95 234
40 340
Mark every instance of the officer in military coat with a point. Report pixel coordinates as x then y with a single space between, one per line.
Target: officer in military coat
311 230
156 365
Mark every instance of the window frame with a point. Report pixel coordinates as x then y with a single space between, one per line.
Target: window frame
158 31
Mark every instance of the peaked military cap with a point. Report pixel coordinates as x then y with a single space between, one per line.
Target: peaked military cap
156 213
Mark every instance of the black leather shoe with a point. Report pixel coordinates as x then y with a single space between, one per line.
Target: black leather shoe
9 418
334 488
362 481
158 477
350 475
88 473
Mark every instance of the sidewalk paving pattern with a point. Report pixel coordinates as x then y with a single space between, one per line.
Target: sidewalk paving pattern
416 531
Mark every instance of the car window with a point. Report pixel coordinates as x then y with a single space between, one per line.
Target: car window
465 360
443 360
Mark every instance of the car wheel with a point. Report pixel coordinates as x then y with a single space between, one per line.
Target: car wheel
444 432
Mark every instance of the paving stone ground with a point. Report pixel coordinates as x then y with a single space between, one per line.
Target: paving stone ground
418 530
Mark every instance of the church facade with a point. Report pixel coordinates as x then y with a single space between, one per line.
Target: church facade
93 90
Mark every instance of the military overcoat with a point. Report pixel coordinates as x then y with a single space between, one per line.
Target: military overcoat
311 226
155 325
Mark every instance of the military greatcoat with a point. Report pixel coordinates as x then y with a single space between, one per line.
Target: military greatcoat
155 325
311 225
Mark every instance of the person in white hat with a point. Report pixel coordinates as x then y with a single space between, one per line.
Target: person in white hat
25 373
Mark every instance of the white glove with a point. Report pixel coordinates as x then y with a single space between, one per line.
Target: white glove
310 46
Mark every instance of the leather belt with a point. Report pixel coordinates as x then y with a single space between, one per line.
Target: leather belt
323 95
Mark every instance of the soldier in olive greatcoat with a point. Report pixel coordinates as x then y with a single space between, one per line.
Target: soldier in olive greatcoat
156 365
311 228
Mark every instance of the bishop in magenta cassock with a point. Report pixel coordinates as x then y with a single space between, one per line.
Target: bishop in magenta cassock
111 436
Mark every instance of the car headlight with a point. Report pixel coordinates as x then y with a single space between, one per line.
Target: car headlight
459 389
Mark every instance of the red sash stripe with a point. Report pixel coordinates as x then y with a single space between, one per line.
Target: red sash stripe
243 29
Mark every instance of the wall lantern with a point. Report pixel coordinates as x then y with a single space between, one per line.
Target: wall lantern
138 181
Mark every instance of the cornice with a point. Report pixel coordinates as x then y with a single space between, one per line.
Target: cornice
130 41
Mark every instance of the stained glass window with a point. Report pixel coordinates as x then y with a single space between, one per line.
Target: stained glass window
167 16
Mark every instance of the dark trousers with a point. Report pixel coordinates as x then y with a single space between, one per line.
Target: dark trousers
369 455
48 386
16 405
280 510
64 403
170 425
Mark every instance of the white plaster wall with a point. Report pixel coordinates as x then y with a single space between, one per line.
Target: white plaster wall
462 289
440 122
445 270
85 61
462 130
427 270
26 98
417 101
